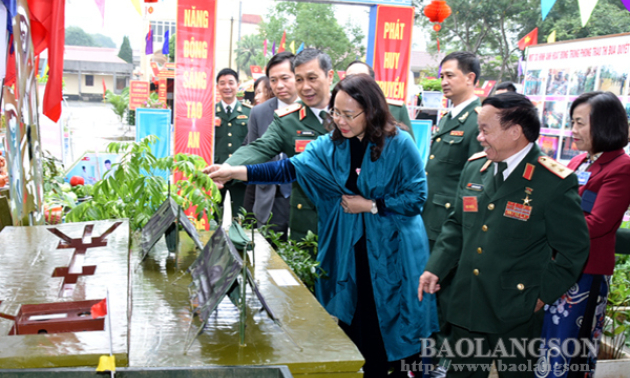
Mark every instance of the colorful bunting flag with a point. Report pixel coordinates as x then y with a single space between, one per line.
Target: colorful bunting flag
292 47
149 43
283 42
136 4
104 89
626 3
529 39
273 48
586 9
100 4
552 37
265 47
545 7
299 50
165 47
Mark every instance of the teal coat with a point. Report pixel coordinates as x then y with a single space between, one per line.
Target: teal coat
396 242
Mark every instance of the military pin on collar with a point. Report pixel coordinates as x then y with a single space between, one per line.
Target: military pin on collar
527 201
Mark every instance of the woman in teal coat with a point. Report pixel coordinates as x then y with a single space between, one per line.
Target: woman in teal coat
367 180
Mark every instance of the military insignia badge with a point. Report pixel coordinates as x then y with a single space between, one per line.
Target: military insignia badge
478 109
517 211
529 171
475 187
242 116
463 118
302 113
305 133
218 109
300 144
457 132
470 204
217 121
527 201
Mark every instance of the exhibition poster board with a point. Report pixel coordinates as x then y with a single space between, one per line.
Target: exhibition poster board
557 73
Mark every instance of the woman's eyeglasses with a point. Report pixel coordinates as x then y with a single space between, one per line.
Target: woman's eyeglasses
335 115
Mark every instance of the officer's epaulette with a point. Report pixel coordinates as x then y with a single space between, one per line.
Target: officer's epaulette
288 110
555 167
395 102
478 155
247 105
478 109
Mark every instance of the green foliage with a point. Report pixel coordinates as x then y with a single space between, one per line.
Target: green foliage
120 102
431 84
103 41
75 36
617 311
171 47
134 192
249 52
316 26
125 52
57 192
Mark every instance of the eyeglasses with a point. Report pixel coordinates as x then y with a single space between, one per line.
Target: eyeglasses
335 114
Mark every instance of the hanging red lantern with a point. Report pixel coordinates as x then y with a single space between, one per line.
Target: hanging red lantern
437 11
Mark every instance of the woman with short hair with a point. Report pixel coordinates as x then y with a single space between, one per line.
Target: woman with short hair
599 127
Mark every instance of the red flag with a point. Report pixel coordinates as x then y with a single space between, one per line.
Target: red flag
530 39
283 42
104 89
265 47
100 309
47 31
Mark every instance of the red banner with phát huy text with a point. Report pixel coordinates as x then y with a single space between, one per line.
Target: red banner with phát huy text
392 50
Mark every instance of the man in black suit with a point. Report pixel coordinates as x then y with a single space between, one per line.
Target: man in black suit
263 200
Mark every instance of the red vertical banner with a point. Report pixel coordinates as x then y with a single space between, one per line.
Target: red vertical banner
194 82
392 49
194 78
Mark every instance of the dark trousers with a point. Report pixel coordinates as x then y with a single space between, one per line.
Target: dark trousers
512 365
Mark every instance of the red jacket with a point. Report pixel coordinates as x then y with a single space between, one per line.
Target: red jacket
610 181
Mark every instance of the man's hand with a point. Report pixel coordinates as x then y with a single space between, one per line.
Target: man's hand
220 174
355 204
539 304
428 284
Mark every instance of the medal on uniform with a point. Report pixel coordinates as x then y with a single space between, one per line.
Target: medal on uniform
305 133
217 121
517 211
527 201
583 177
457 133
475 187
470 204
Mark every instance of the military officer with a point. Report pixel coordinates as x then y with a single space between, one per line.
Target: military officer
397 108
230 129
455 140
292 129
516 239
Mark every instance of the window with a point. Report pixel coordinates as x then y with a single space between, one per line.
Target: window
89 80
121 83
160 27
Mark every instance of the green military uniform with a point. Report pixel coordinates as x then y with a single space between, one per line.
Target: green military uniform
228 137
293 127
401 114
453 143
510 246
